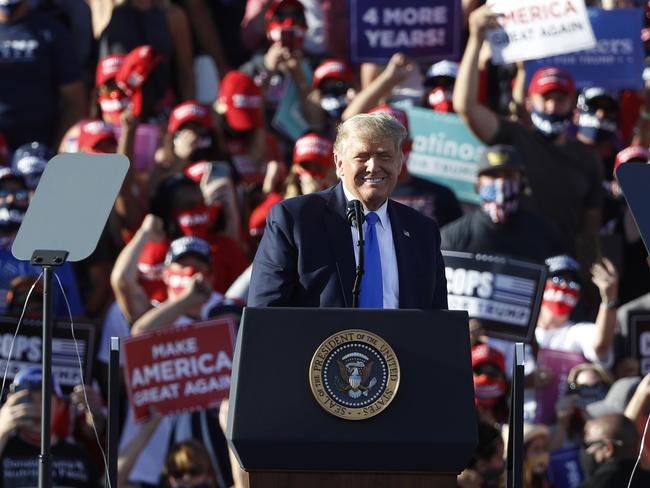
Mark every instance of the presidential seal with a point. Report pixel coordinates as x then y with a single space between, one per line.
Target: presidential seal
354 374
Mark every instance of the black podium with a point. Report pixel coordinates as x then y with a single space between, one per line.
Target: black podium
282 436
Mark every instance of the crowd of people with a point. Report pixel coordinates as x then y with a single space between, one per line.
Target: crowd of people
226 108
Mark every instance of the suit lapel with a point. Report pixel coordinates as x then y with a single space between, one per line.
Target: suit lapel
340 237
405 253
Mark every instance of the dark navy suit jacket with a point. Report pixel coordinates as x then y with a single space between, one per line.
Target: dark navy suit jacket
306 258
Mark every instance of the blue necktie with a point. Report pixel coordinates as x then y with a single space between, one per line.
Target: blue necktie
372 290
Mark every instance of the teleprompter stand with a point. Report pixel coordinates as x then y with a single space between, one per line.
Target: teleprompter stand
282 436
63 223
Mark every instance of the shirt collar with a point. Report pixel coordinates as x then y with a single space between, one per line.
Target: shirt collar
382 212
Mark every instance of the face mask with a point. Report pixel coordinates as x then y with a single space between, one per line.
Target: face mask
539 462
500 199
334 105
560 299
550 125
182 484
440 100
11 216
491 476
179 280
197 221
203 147
488 390
587 463
595 129
9 8
112 108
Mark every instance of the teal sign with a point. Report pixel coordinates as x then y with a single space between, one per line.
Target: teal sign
444 151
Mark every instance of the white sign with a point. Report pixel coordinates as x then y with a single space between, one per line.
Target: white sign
533 29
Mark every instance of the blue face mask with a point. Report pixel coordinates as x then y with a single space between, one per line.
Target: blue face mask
334 105
596 129
550 125
500 199
9 7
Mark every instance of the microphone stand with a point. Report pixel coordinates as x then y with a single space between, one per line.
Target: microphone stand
356 288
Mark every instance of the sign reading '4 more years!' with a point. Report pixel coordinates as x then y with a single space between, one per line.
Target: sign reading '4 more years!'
424 30
181 369
504 294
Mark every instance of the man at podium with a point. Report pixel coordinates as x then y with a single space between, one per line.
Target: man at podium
309 252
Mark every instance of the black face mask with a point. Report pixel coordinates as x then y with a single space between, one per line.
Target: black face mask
334 105
491 476
233 134
588 463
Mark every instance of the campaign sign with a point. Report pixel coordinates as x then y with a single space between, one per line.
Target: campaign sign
27 349
639 337
532 29
561 362
445 151
424 30
147 142
615 63
504 294
564 468
181 369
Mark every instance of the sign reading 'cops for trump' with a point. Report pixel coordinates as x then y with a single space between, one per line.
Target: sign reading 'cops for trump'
504 294
424 30
532 29
616 62
444 151
27 350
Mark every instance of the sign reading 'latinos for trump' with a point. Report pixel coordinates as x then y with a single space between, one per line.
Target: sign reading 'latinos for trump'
444 151
532 29
504 294
180 369
424 30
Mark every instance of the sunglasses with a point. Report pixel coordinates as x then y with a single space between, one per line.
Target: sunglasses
17 194
558 280
587 445
297 16
192 471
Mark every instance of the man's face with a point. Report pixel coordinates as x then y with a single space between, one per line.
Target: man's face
596 444
369 169
554 102
14 193
178 275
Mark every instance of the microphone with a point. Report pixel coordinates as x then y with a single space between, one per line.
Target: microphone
354 213
355 216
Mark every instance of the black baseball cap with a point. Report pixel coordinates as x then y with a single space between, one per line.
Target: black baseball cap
499 157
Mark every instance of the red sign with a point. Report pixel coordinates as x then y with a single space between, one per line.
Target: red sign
181 369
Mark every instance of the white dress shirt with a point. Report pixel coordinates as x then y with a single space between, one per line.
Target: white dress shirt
389 271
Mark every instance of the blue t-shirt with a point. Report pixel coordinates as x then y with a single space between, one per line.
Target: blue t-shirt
37 57
10 268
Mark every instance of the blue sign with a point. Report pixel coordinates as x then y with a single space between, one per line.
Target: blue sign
564 469
424 30
445 151
615 63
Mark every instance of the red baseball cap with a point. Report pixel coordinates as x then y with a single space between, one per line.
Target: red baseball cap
484 354
107 68
400 115
240 100
92 133
197 171
547 79
332 69
134 72
190 111
632 154
314 148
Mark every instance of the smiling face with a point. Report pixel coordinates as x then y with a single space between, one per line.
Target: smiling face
369 168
